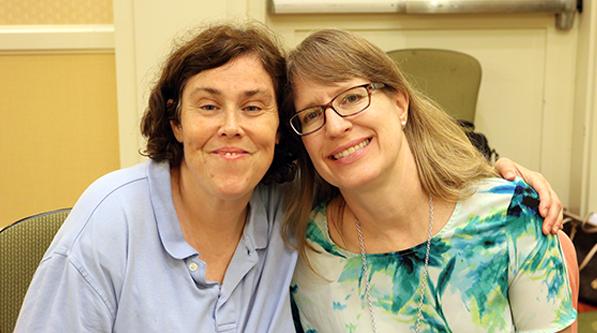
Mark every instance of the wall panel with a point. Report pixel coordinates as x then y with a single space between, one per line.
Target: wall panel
59 129
28 12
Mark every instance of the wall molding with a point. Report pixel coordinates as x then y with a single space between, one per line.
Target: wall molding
56 39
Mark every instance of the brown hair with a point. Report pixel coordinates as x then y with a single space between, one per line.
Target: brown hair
446 161
211 48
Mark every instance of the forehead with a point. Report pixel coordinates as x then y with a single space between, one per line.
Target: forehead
241 74
309 93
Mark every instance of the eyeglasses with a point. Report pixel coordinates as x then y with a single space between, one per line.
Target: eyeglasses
347 103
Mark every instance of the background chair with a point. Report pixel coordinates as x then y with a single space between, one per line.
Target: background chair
22 246
450 78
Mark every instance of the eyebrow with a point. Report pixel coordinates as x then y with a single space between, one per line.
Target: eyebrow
339 89
210 91
247 93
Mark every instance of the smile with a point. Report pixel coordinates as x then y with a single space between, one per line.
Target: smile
351 150
230 152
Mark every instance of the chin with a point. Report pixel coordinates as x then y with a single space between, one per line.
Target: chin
233 194
354 181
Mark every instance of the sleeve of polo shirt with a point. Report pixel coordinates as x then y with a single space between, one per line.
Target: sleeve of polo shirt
61 299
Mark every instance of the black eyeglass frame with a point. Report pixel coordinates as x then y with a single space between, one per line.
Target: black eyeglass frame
370 87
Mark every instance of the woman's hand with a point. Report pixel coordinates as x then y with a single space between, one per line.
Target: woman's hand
550 206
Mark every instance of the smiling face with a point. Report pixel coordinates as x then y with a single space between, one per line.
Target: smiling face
228 127
359 151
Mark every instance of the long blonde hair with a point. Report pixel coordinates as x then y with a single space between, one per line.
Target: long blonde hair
446 161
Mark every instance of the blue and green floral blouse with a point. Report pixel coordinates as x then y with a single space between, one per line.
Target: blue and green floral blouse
490 270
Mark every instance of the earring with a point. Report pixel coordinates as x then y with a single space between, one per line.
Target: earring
403 123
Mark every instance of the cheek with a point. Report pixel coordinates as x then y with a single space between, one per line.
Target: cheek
177 131
311 145
267 132
195 137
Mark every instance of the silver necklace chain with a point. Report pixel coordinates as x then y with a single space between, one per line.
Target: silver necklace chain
423 282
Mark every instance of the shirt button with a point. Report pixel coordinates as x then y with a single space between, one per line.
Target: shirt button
193 267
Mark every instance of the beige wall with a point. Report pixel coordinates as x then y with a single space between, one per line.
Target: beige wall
27 12
58 127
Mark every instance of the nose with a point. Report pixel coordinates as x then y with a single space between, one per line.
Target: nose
335 125
231 124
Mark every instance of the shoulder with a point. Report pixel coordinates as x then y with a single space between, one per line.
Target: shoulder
112 223
514 196
269 200
116 183
318 234
500 186
318 222
102 211
510 208
517 207
521 199
271 194
502 205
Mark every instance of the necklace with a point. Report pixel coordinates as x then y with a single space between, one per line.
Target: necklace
423 282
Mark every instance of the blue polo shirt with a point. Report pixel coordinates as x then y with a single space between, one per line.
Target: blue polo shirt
120 263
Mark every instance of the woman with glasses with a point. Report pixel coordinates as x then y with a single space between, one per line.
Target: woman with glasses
412 230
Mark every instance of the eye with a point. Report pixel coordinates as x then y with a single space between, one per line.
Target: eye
311 115
253 108
208 107
351 98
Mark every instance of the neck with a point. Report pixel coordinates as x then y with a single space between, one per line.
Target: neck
392 200
211 225
204 209
393 215
391 205
391 220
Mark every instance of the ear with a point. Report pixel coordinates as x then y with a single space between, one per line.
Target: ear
402 102
278 137
177 130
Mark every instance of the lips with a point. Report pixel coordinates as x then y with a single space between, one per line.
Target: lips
351 150
229 151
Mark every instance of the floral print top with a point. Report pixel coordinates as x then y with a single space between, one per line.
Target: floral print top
490 270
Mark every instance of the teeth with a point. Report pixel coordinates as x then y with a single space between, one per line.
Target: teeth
351 149
230 154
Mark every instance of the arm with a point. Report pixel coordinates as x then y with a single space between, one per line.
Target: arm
540 290
573 274
550 206
60 299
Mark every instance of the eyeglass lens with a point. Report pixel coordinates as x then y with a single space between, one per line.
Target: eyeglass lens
347 103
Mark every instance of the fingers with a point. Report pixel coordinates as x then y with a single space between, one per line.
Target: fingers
555 216
507 168
550 206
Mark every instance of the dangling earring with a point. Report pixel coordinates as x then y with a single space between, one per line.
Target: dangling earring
403 123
